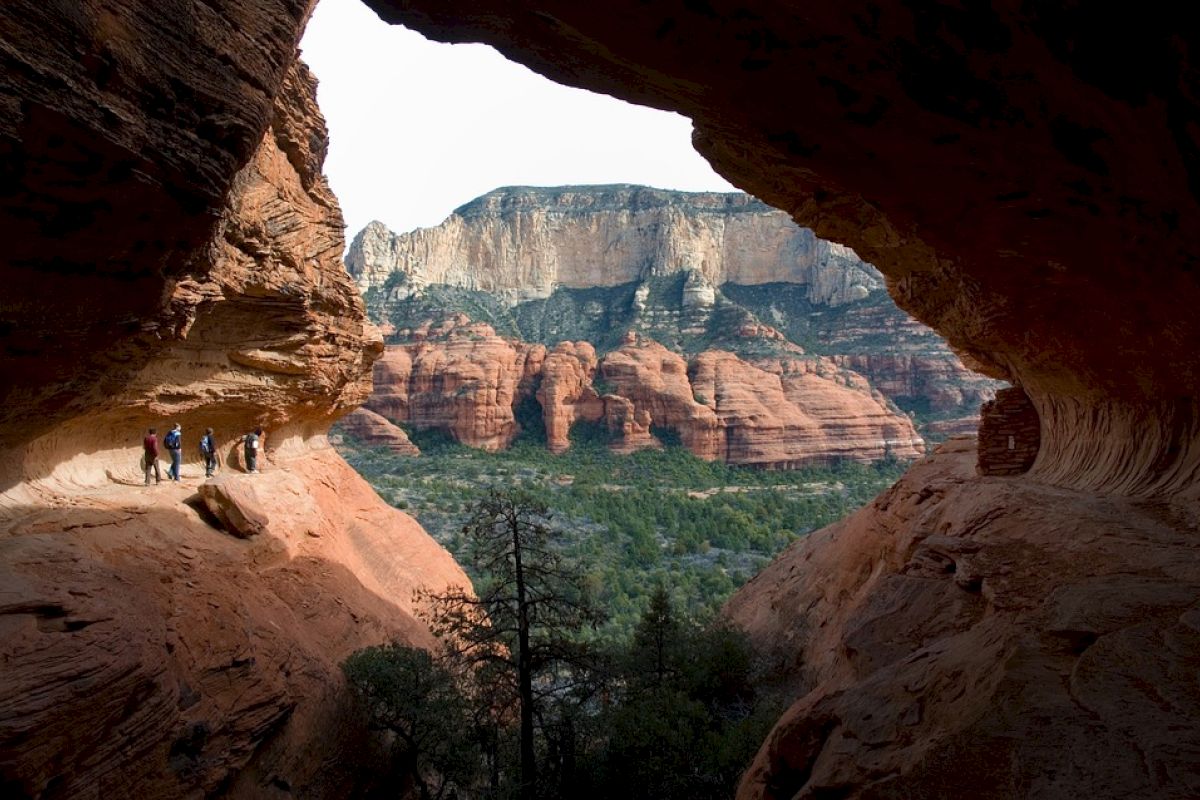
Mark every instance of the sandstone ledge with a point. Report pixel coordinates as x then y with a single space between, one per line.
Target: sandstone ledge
150 654
966 636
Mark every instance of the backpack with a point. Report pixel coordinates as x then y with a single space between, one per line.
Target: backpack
171 440
206 445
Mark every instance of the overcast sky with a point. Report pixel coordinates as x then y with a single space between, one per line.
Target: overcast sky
417 128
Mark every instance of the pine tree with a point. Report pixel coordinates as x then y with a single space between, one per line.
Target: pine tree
520 631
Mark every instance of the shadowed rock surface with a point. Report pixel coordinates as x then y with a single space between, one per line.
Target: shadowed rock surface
180 260
983 637
1025 177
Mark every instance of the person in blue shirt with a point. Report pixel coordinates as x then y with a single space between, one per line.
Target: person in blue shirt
173 441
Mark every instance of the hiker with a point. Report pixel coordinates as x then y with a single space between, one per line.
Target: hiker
150 456
252 442
208 451
173 441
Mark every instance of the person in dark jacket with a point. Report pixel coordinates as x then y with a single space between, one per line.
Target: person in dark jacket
173 441
208 451
150 456
251 443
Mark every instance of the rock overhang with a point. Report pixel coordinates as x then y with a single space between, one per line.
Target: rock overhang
1022 175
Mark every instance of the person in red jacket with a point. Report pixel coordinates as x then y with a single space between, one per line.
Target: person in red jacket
150 456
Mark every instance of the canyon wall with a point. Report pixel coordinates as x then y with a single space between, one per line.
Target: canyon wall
123 131
1027 197
692 270
1025 177
982 637
523 242
181 261
461 378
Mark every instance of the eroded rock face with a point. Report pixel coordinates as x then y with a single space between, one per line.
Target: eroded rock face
522 242
265 327
655 381
983 637
794 412
122 131
148 650
1024 193
693 271
463 379
781 413
566 393
148 653
367 426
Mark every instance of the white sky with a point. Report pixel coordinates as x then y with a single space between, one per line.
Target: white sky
417 128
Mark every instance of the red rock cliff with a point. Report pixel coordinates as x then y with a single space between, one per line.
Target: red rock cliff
463 379
1024 194
148 652
1026 178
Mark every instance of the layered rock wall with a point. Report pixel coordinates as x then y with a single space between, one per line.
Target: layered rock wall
1025 195
463 379
264 327
982 637
173 199
124 127
694 271
523 242
1025 176
365 425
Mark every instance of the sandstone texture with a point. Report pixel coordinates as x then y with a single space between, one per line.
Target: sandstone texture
180 260
463 379
151 651
566 393
793 412
1024 194
694 271
983 637
366 426
124 127
265 328
523 242
1025 177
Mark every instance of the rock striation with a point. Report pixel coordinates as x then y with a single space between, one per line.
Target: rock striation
981 637
566 393
165 642
694 271
523 242
1034 199
124 129
467 381
1023 175
995 177
153 651
365 425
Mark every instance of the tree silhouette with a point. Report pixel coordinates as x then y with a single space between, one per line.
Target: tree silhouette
519 631
404 690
